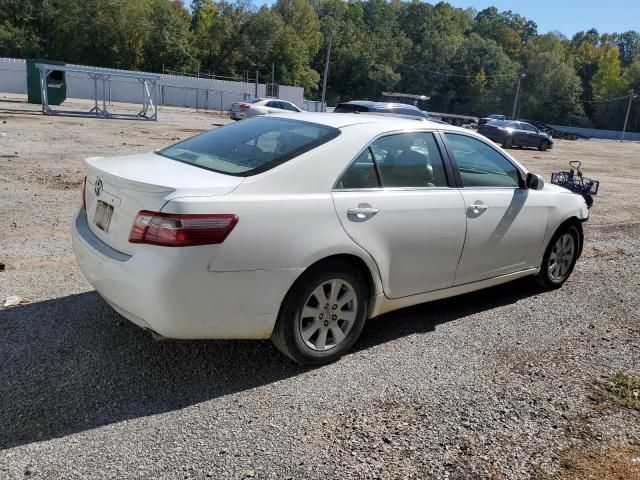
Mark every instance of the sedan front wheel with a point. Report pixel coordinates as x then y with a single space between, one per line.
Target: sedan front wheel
560 258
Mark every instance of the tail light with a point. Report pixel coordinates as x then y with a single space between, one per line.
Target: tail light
181 230
245 106
84 193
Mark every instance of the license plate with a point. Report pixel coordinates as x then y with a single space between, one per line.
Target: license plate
103 215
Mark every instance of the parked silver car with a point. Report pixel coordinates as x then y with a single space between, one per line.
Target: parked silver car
261 106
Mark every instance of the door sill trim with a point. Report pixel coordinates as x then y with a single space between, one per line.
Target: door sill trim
383 304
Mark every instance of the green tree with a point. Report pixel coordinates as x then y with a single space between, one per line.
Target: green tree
436 33
298 41
204 25
18 37
551 89
608 81
483 81
628 44
167 46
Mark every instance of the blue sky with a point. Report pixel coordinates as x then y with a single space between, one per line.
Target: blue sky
566 16
569 16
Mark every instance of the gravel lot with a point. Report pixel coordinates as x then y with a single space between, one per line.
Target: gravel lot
496 384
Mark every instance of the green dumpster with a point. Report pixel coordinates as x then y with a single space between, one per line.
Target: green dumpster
56 83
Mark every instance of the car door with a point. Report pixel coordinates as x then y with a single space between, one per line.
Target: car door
519 135
531 135
273 106
397 202
505 222
289 107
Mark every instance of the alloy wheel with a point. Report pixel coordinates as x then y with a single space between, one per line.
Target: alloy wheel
328 314
561 257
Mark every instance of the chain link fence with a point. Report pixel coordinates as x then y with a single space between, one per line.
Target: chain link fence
204 99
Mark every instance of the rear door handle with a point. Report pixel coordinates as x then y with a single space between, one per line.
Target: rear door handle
480 207
362 212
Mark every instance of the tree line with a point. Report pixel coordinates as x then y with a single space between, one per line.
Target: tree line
466 61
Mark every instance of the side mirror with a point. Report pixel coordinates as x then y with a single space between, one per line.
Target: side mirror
534 181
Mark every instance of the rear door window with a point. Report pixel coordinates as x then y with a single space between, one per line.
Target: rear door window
289 106
361 173
409 160
406 160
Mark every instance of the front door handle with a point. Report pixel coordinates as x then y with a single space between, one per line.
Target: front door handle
480 207
362 212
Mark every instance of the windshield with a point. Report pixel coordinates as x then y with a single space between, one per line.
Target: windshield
250 146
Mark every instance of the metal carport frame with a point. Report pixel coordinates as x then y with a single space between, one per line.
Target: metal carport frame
148 82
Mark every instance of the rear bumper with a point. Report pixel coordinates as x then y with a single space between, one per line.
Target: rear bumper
170 290
237 115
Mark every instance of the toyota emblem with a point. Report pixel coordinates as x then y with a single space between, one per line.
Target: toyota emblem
97 187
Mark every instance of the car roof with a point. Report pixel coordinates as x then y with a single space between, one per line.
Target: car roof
382 123
346 119
371 104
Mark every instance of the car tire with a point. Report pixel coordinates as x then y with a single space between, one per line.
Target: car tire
307 325
543 146
507 143
560 257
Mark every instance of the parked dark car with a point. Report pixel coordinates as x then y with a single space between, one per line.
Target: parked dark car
512 133
380 107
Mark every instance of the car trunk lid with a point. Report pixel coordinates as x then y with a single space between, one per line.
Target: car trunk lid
241 106
117 188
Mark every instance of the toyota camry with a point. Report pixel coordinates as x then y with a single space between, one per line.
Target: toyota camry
300 230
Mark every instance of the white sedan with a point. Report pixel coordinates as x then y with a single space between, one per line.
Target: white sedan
261 106
299 231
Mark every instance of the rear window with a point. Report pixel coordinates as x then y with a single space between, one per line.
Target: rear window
250 146
406 111
350 108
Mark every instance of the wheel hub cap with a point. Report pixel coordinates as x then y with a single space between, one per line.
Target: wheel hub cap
328 315
561 257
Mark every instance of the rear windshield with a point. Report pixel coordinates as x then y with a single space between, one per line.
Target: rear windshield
350 108
250 146
406 111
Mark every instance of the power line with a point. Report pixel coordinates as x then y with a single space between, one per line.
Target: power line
605 101
449 74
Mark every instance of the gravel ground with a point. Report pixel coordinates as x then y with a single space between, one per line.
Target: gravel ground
495 384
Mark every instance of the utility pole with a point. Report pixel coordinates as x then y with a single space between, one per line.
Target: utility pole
515 100
326 73
273 84
626 118
257 78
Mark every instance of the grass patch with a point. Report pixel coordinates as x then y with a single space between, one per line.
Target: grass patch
619 461
621 389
